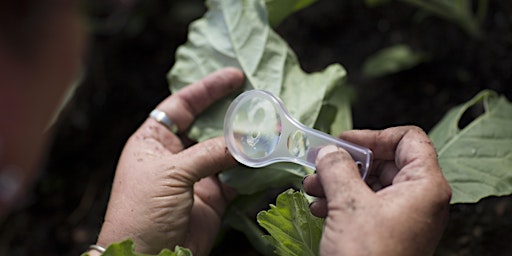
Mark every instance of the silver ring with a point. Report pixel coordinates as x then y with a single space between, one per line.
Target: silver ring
162 118
96 248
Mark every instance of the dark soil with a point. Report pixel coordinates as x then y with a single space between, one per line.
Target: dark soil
132 48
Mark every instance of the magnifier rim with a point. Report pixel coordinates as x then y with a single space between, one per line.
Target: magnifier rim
238 154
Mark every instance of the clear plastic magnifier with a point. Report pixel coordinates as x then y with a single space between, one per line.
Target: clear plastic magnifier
259 131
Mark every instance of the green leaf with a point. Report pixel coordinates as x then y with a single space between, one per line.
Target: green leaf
293 229
477 159
238 219
236 33
127 248
335 115
278 10
392 60
251 180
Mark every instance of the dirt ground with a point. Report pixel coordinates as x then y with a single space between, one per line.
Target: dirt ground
131 50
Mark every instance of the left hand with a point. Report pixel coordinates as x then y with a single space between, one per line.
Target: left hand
163 194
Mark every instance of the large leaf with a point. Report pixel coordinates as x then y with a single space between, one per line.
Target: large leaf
293 229
477 160
236 33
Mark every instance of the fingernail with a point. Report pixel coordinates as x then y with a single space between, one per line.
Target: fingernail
325 151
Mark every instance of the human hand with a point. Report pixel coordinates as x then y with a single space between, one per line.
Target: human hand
403 212
163 194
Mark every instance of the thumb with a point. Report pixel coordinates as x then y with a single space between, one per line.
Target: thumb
339 176
205 159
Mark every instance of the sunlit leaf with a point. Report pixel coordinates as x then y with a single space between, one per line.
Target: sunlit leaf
293 229
477 159
236 33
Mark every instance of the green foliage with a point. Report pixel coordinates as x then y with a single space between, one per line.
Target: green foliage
237 218
278 10
237 33
477 159
392 60
127 248
248 180
293 229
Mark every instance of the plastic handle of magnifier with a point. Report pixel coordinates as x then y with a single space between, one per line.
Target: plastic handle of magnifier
290 141
317 140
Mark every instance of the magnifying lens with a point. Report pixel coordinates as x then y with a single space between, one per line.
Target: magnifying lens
259 131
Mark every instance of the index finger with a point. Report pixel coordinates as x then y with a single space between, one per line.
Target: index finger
183 106
405 145
205 159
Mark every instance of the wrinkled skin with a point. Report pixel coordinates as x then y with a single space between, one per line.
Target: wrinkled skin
402 211
163 193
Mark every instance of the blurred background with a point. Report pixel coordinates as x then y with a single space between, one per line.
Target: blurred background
132 47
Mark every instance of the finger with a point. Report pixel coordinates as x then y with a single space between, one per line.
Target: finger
183 106
205 159
319 207
211 192
313 186
383 171
383 143
341 181
406 145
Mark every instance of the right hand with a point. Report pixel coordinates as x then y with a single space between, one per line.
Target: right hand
405 210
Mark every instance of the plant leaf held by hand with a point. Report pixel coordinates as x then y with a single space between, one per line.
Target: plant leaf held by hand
237 33
477 159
